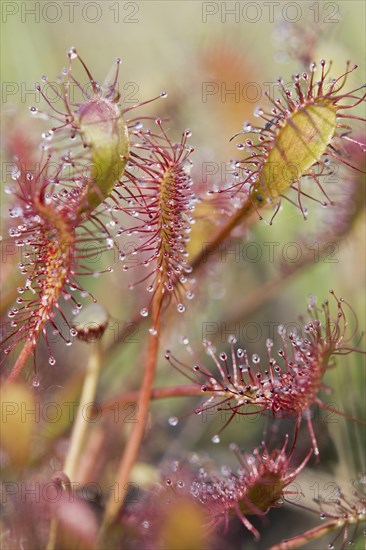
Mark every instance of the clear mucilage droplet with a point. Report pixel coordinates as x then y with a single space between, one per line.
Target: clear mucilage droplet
72 53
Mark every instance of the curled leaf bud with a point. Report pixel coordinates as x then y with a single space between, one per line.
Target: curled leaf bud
105 132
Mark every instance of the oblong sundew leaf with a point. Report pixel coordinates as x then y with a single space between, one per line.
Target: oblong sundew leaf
300 143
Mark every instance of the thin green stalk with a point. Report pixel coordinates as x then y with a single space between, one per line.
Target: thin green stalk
81 423
80 426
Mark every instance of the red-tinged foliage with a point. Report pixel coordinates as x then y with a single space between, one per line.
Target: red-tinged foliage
258 485
160 199
288 386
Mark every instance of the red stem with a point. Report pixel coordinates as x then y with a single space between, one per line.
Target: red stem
223 233
156 393
134 442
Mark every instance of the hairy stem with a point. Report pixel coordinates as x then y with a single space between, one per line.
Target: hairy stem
21 361
308 536
134 442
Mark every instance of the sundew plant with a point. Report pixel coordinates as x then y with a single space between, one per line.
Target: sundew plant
138 409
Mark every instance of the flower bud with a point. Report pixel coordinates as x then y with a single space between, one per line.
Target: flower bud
91 323
105 132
